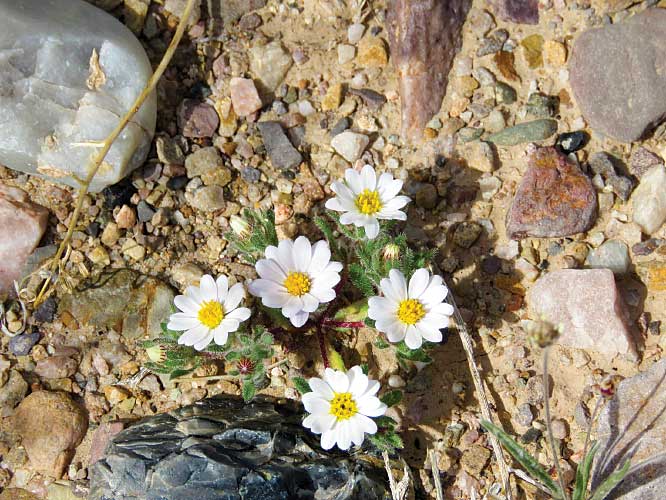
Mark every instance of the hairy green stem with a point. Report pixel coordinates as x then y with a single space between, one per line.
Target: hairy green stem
549 424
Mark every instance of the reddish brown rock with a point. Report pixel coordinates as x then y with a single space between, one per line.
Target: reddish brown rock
518 11
51 426
103 435
424 36
197 119
588 306
22 224
554 198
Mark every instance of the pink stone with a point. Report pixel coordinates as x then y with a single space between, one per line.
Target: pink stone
589 307
22 224
102 437
197 119
244 96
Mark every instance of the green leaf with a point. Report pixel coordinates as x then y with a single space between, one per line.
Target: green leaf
412 354
232 356
179 373
365 368
611 482
385 422
583 474
527 461
380 343
248 391
394 440
335 360
391 398
371 323
359 277
357 311
301 385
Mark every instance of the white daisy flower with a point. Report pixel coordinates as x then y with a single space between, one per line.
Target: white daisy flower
341 406
413 313
296 277
364 199
208 312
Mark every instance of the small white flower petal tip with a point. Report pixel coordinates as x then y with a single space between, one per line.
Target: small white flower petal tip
342 406
208 313
414 311
365 199
296 277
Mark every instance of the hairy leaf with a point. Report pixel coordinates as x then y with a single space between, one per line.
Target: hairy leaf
248 391
391 398
611 482
301 385
336 361
583 474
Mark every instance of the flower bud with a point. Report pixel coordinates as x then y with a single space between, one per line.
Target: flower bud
607 387
240 226
391 252
156 353
245 366
542 333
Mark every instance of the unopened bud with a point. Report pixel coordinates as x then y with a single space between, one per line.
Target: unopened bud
156 353
245 366
240 226
391 252
542 333
607 387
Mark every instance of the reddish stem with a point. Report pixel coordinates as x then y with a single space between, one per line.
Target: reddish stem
322 346
342 324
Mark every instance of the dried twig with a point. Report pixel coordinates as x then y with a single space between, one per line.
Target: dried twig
105 146
400 489
435 475
483 397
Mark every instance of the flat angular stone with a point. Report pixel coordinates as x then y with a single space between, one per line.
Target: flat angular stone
518 11
222 448
22 224
269 64
68 70
613 255
350 145
618 75
633 425
282 153
553 199
589 307
522 133
244 96
649 200
643 160
424 36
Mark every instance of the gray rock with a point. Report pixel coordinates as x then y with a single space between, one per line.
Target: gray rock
643 160
604 164
21 345
54 105
633 426
144 211
56 367
524 415
207 198
269 64
203 161
221 448
126 301
536 130
12 392
282 153
613 255
617 75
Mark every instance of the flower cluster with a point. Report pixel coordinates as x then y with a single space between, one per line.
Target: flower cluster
301 280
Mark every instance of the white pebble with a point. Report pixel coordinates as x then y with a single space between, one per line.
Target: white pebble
355 33
345 53
305 108
396 381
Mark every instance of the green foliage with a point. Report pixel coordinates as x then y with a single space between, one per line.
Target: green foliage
248 391
336 361
527 461
391 398
386 438
583 474
611 482
261 234
361 280
405 353
380 343
301 385
327 231
177 360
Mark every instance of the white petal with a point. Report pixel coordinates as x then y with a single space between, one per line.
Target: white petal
358 384
220 335
434 295
208 287
399 284
428 333
286 256
396 203
326 279
319 423
299 319
444 309
391 215
413 339
275 299
328 439
373 388
323 294
334 204
234 297
352 218
338 380
354 181
418 283
195 294
315 404
269 269
186 304
193 335
344 433
371 407
321 256
380 308
182 321
261 287
310 303
371 229
321 388
366 424
388 187
302 253
345 195
271 252
203 343
369 178
396 332
356 430
294 305
222 284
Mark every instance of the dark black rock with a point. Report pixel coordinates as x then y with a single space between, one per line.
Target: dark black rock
22 344
46 311
119 194
491 264
93 229
531 436
570 142
340 126
176 183
221 448
280 150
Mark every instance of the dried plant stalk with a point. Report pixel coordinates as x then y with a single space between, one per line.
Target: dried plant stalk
105 146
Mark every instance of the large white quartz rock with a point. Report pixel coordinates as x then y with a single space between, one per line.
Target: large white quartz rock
68 72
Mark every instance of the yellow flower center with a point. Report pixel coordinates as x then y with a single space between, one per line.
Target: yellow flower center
410 311
368 202
297 283
211 313
343 407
